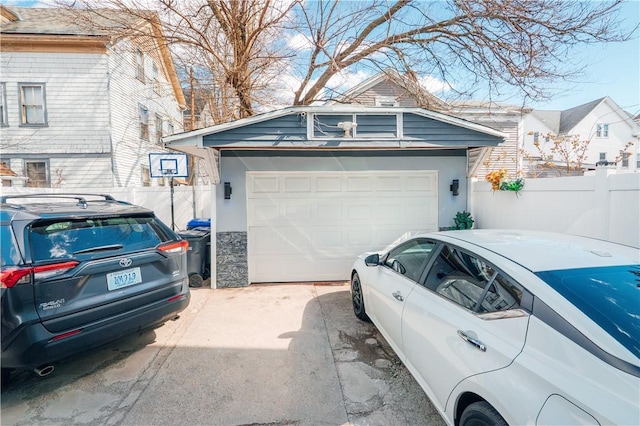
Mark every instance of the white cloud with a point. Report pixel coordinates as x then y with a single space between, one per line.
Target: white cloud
434 85
299 42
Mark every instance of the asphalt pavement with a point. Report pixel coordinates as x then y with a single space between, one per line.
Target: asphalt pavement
286 354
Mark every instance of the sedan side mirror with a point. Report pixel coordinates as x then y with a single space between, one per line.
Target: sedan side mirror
372 260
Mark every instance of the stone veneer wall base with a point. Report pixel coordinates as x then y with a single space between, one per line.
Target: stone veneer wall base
232 265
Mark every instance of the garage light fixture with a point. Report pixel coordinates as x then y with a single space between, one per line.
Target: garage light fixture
454 187
227 190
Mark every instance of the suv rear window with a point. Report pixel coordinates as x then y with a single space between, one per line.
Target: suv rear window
66 238
607 295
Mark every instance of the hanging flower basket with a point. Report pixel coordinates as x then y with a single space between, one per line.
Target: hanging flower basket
512 185
498 182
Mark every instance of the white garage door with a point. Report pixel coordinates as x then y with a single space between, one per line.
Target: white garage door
310 226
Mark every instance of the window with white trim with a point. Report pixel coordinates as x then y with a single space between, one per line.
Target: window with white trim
170 129
625 159
33 110
139 65
602 130
156 81
159 129
603 156
3 105
145 176
144 122
37 172
386 101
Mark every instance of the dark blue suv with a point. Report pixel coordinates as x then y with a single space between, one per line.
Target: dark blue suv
79 271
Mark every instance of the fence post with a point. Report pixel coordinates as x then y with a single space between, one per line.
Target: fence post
602 199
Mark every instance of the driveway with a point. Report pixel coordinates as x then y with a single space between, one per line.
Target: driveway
260 355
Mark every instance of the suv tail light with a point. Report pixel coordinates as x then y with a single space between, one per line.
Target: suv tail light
175 247
13 276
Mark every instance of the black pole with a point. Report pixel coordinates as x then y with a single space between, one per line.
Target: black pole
173 223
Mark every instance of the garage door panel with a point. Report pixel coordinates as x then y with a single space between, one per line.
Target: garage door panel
306 226
359 184
297 184
388 183
262 184
424 184
332 184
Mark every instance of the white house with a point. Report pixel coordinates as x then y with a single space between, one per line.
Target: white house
82 106
606 126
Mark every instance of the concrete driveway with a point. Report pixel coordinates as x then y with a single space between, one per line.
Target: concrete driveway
261 355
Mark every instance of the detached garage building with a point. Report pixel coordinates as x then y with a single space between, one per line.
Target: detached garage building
302 191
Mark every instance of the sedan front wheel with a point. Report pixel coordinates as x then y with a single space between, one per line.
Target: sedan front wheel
357 299
481 413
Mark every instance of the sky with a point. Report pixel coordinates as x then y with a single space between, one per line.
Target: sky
613 70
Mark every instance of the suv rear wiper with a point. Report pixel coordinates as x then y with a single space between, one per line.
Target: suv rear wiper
101 248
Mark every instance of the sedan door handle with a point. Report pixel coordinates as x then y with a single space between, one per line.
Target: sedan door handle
475 342
397 295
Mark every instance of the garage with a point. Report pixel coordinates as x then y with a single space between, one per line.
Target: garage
298 193
309 226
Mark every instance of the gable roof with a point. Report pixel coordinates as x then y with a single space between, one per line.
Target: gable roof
57 26
58 21
422 96
563 122
288 129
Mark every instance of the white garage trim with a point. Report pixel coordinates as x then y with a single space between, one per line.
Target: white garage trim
310 226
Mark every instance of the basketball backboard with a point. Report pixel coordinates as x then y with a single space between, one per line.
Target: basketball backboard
164 164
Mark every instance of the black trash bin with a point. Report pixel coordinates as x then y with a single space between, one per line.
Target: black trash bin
198 256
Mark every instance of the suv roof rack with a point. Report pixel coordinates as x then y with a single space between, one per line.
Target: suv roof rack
82 202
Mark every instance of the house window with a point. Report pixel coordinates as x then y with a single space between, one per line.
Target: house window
6 171
170 129
159 129
146 176
156 82
625 159
386 101
37 174
3 105
536 137
603 156
144 122
602 130
32 102
139 65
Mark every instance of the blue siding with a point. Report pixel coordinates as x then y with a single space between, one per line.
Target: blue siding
374 130
419 128
288 128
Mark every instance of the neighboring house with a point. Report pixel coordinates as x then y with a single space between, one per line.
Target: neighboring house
303 190
391 89
81 106
608 128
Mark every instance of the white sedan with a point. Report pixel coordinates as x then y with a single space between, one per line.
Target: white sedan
511 327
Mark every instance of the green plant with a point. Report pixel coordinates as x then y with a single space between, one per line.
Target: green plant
512 185
462 220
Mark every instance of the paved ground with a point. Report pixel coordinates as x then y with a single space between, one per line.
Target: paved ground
261 355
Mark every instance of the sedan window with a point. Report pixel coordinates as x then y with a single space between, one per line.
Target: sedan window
410 258
471 282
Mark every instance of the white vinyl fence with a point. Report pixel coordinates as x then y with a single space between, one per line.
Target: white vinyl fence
604 205
188 201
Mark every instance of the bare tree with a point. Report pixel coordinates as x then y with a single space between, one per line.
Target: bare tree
492 43
562 155
243 46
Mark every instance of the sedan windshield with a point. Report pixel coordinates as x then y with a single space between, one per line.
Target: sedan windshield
610 296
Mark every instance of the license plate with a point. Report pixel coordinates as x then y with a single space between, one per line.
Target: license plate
120 279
